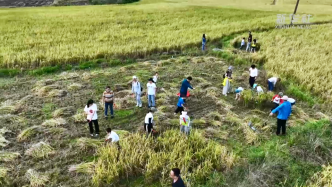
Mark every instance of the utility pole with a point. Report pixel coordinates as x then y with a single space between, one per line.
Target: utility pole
297 3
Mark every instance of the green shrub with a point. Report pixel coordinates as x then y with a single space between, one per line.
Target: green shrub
299 94
87 65
9 72
45 70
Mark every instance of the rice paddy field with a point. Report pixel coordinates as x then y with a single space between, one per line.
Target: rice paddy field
64 56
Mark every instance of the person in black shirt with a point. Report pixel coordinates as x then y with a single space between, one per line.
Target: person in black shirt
249 42
175 175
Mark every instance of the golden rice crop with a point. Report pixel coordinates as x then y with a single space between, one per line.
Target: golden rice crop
56 41
27 133
40 150
322 178
82 168
36 179
196 157
8 156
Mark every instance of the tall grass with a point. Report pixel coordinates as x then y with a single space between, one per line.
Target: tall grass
196 157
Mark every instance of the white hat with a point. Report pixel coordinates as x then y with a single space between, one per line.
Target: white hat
285 98
134 77
184 113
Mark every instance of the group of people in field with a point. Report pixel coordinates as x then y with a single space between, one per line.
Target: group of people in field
282 103
137 90
251 43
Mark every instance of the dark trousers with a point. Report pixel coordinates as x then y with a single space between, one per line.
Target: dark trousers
281 124
148 128
275 106
95 122
108 105
179 109
252 81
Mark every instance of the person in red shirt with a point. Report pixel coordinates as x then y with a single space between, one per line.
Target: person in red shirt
277 100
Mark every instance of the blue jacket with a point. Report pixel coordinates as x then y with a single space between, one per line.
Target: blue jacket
180 102
284 110
185 86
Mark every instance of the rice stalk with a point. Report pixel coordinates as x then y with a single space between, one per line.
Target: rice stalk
54 122
27 133
8 156
87 168
40 150
36 179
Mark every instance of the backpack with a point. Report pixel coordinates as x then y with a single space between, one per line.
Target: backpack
140 86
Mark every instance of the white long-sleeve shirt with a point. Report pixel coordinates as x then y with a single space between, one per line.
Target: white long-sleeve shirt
136 87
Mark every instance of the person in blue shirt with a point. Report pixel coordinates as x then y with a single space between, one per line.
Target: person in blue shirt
284 110
203 42
180 106
184 88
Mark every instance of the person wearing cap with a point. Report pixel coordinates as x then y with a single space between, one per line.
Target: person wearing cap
152 89
184 87
272 83
284 110
137 90
185 123
276 100
226 85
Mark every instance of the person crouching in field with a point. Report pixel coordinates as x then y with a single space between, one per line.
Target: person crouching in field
272 83
92 117
243 43
184 88
253 46
203 42
284 110
238 93
148 123
292 101
137 91
155 78
227 85
180 106
108 99
276 100
185 123
112 137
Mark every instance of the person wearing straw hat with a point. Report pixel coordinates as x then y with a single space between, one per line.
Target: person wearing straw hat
185 123
137 90
284 110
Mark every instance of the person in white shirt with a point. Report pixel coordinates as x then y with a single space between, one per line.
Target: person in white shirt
111 136
243 43
259 89
148 122
272 82
155 78
137 90
152 89
253 75
292 101
92 117
185 123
